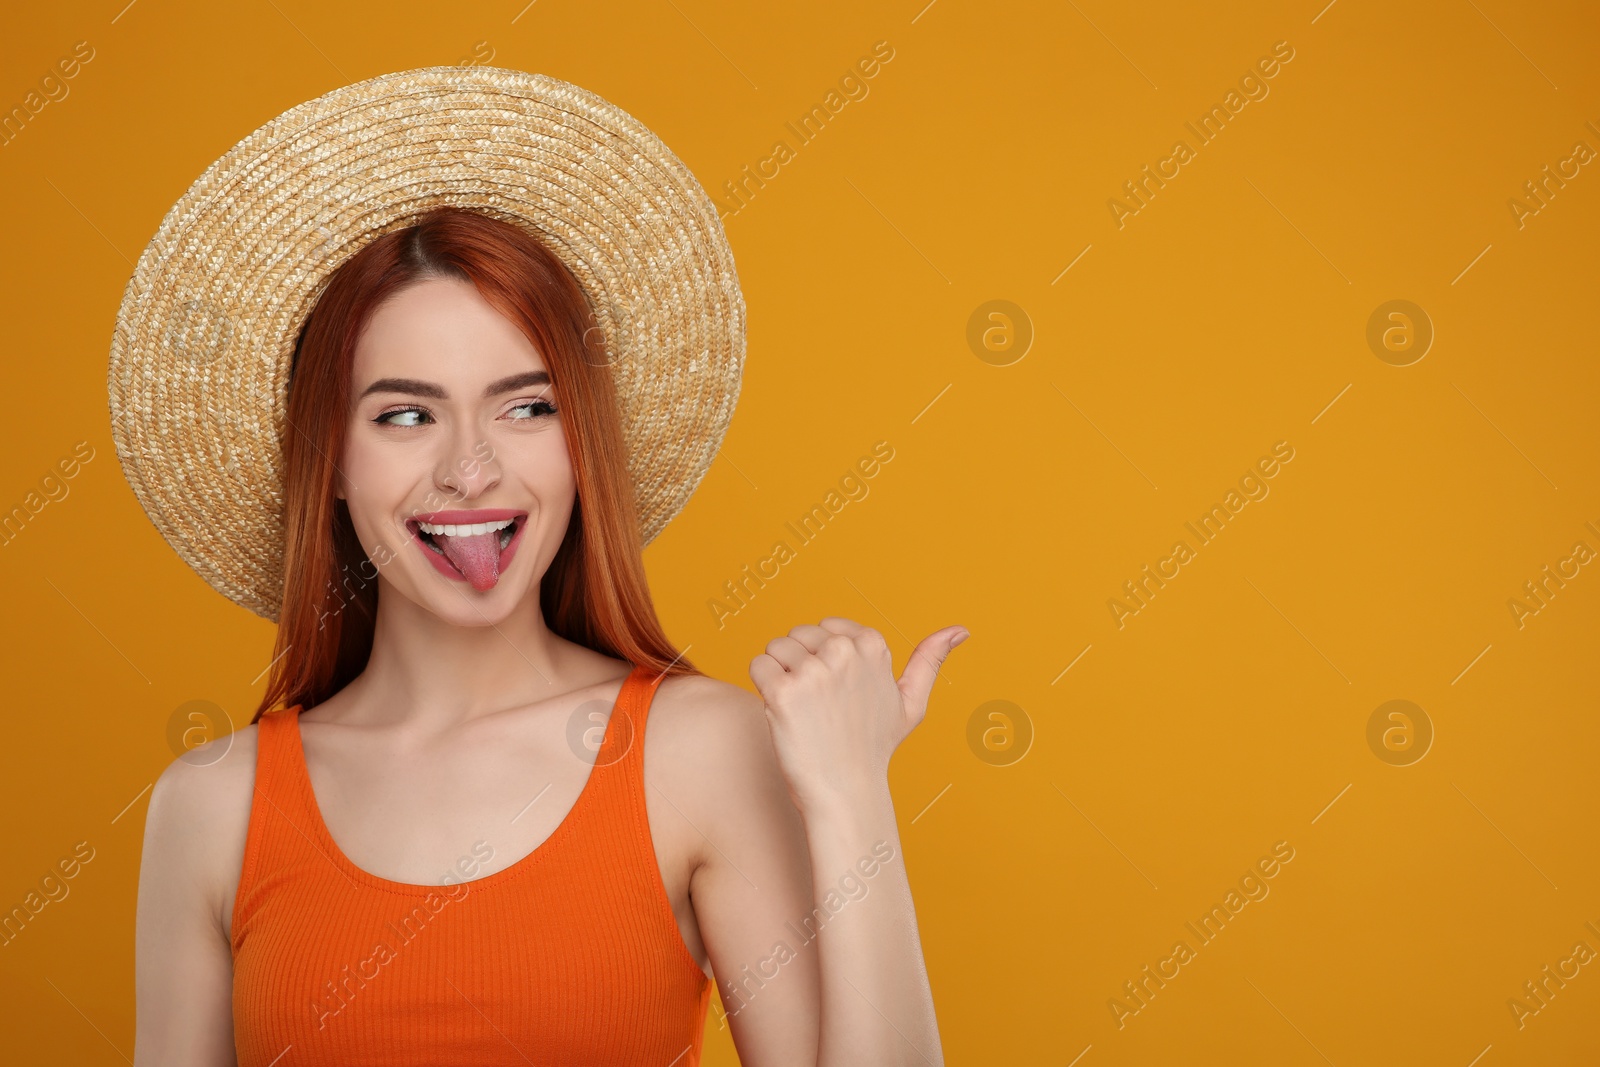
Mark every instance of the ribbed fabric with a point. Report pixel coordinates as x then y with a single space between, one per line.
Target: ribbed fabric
569 956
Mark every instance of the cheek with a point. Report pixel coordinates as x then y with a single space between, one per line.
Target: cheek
538 475
376 482
548 472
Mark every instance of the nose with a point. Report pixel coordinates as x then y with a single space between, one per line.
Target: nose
467 466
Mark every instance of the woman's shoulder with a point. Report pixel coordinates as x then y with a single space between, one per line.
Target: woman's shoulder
706 709
209 772
711 754
199 812
712 735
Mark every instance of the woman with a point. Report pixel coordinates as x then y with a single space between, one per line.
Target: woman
487 813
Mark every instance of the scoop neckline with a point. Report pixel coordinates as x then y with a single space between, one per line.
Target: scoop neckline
523 863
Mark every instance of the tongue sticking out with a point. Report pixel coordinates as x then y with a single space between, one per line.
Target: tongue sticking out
477 557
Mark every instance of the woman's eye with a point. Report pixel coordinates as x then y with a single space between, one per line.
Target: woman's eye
538 409
396 412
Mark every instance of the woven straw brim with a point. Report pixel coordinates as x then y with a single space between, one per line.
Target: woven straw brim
201 354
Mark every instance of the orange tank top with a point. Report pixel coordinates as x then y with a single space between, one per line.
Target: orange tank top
571 955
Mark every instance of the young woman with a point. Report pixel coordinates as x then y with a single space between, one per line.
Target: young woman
487 813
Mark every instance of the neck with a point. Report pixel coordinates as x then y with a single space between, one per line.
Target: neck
429 673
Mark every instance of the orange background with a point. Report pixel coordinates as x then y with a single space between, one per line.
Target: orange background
1230 313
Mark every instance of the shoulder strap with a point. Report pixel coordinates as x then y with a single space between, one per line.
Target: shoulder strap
283 785
283 806
624 736
271 735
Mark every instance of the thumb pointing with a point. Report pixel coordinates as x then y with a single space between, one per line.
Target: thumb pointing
916 682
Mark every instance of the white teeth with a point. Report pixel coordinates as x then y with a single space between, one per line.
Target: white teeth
436 530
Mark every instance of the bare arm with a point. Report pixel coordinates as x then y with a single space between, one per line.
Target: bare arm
877 1005
808 920
183 965
836 714
752 890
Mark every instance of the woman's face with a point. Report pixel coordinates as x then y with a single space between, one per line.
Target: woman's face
455 466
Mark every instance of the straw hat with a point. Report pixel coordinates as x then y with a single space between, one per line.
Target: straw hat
201 354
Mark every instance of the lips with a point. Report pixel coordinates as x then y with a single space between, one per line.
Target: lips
473 546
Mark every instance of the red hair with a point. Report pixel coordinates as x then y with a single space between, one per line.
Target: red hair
594 592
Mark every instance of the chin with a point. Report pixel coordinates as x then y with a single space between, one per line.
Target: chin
476 615
464 606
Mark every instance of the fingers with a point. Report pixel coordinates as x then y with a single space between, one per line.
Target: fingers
871 642
766 672
810 636
832 641
789 652
866 638
816 638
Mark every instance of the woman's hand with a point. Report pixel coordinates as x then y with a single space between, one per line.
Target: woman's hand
836 711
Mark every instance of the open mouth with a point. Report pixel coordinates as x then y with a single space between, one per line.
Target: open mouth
477 553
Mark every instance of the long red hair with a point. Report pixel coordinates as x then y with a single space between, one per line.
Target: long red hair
594 592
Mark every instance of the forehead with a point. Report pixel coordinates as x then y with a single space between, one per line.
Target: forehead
441 329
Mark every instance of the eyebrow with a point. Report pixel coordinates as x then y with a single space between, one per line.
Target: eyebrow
415 387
